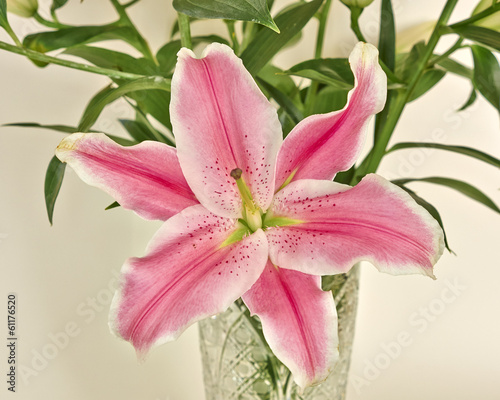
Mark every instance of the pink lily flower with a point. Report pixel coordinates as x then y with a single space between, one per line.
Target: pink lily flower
250 215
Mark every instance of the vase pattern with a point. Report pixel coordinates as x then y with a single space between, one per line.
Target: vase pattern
238 364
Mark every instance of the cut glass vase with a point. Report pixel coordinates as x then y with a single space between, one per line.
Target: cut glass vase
238 364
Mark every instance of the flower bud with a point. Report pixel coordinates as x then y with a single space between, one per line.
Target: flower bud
357 3
23 8
490 22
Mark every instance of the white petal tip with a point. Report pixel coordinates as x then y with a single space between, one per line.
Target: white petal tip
69 143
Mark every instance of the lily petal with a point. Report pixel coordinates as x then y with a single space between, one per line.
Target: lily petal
299 322
145 178
374 221
324 144
186 276
222 121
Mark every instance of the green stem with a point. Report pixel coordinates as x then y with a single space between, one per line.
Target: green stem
124 18
320 38
323 19
35 55
49 24
483 14
399 103
14 37
355 14
449 52
185 30
130 3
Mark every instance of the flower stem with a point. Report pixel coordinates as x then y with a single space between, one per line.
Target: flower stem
50 24
12 34
355 14
400 101
35 55
185 30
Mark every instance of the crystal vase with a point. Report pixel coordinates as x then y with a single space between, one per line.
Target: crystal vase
238 364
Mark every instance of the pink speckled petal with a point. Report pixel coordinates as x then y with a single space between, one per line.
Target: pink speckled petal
299 322
145 178
186 276
324 144
221 121
374 221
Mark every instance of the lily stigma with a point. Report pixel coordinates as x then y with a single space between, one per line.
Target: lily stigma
248 214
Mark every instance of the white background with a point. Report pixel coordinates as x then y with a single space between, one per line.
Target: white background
64 275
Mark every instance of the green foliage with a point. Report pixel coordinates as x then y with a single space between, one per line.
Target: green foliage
78 35
113 60
430 209
57 4
486 75
478 34
266 43
460 186
335 72
68 129
53 181
109 94
3 14
387 38
468 151
242 10
138 130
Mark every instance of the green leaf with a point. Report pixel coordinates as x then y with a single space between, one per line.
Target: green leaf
455 67
345 177
108 95
57 4
112 205
431 210
462 187
167 55
3 14
480 35
53 182
155 103
78 35
487 75
479 155
276 77
137 130
406 63
430 78
283 101
241 10
329 99
113 60
387 38
267 43
68 129
335 72
472 98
